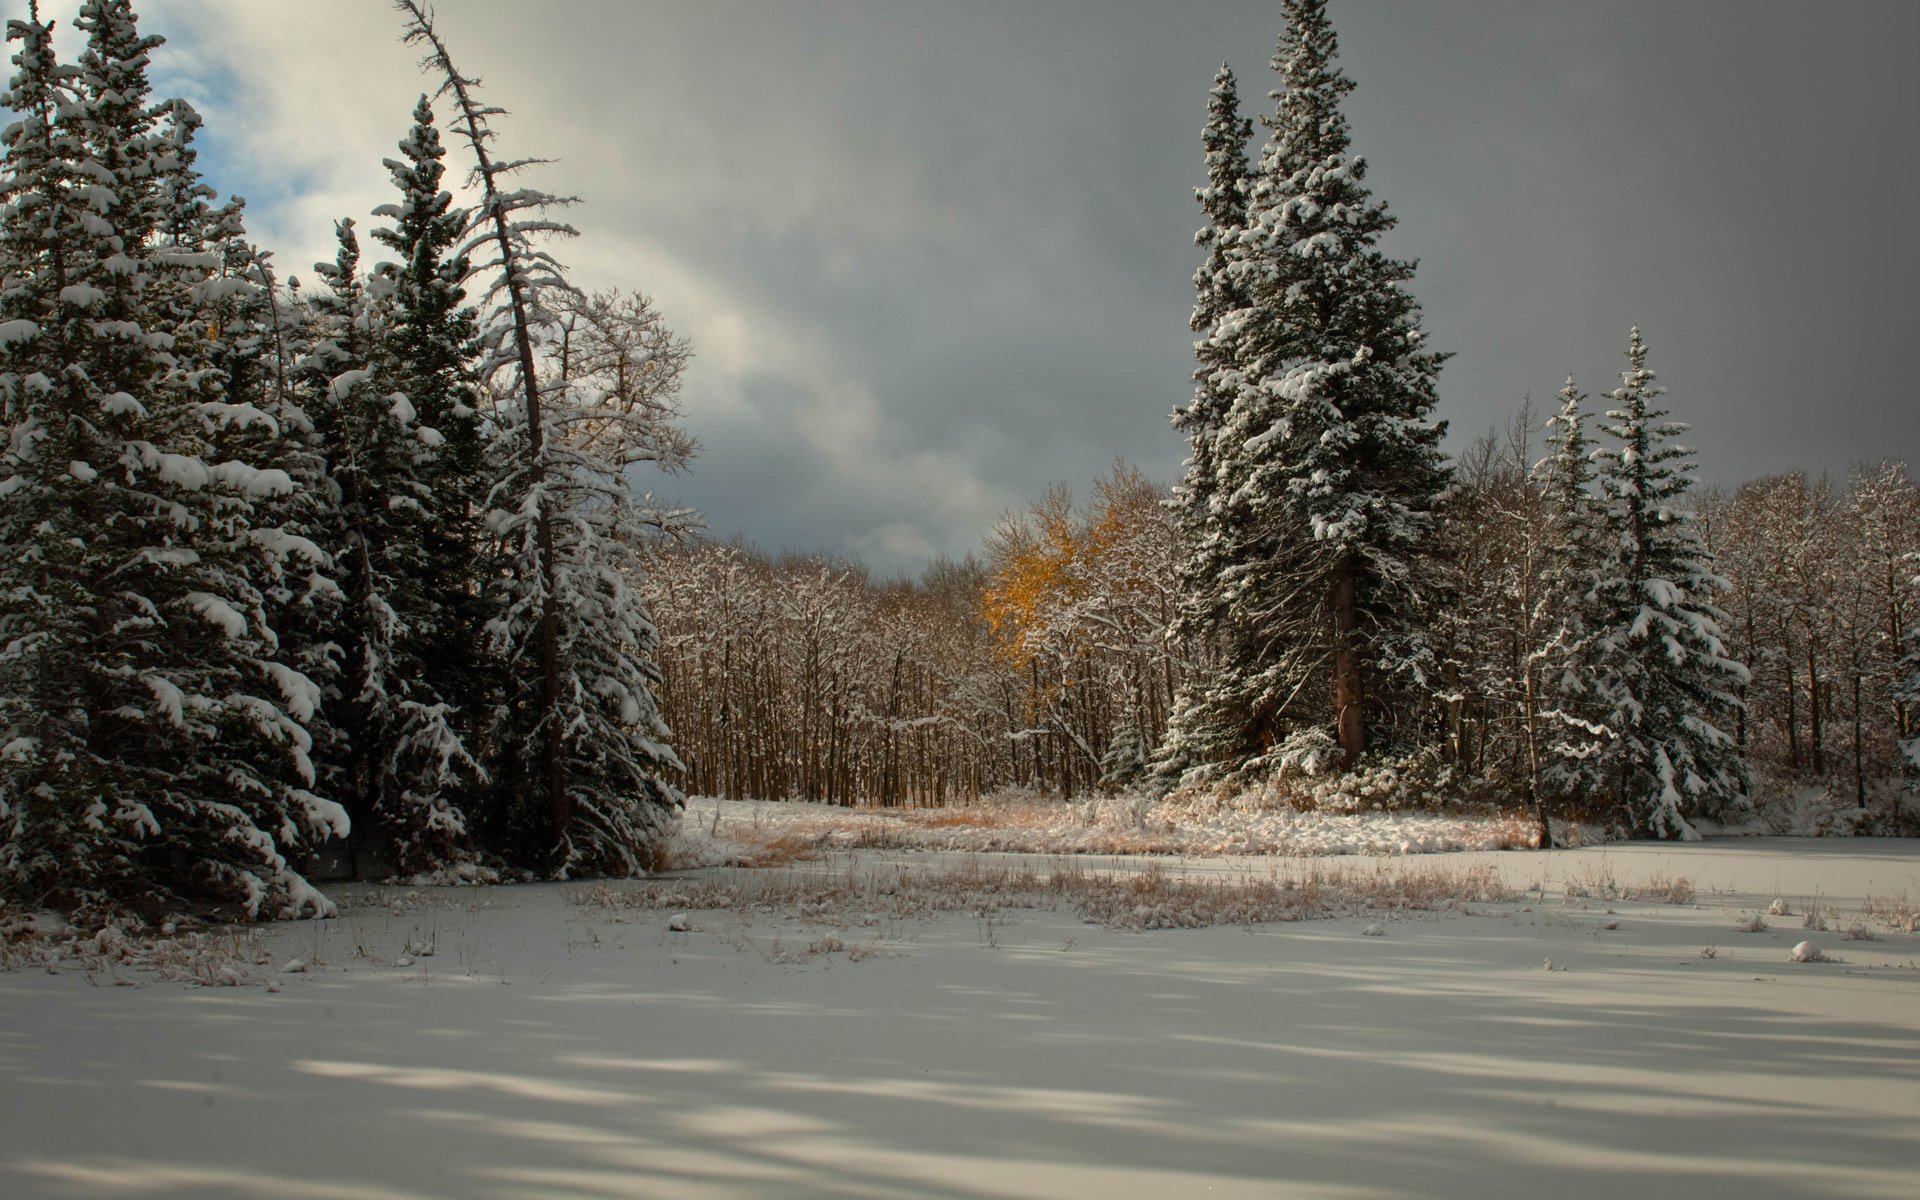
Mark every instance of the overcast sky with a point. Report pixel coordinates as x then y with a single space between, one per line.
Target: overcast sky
933 256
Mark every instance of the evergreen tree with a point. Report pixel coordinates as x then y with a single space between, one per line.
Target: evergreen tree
1578 554
1664 682
1197 733
154 746
430 344
401 761
1327 464
583 765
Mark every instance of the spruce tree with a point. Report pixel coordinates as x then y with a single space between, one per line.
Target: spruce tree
155 748
1665 685
1202 729
583 769
1327 463
401 762
430 346
1578 555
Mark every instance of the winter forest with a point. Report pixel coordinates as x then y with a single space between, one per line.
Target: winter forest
405 794
364 577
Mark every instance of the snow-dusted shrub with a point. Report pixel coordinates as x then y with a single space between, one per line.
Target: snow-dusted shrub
1152 898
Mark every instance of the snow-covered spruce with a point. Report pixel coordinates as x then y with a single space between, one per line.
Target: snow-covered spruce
1198 732
1326 465
1663 683
1578 556
154 745
399 764
583 391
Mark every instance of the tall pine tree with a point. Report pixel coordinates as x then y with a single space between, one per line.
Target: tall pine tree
1578 555
154 745
583 765
1665 686
1327 463
1201 731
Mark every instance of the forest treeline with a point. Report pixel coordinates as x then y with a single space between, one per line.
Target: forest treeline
367 566
347 568
1048 662
1559 619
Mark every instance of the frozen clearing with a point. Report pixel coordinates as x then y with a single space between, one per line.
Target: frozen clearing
557 1043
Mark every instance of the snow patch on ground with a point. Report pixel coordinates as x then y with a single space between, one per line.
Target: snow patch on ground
824 1029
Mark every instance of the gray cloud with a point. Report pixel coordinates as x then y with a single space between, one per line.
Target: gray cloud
934 256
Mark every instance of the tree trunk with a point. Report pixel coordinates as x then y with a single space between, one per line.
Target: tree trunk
1813 712
1859 748
1348 698
1793 719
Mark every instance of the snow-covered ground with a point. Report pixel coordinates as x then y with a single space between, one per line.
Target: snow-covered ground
1125 824
1586 1036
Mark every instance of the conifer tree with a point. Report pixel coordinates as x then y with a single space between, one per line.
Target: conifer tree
1201 729
430 345
401 760
154 746
1578 555
583 765
422 342
1328 464
1664 682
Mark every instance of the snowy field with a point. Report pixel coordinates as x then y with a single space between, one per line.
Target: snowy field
888 1022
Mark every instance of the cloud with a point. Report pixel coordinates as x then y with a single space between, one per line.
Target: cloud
934 257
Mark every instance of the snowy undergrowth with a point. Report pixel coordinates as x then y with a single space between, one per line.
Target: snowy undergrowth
217 957
1154 898
762 833
1785 807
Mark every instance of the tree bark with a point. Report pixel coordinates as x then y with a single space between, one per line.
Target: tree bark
1348 696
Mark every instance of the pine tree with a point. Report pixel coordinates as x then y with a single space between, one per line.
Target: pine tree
155 751
583 764
1202 729
1327 464
430 346
402 762
397 381
1663 679
1578 555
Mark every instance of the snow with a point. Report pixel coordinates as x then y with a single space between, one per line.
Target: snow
217 611
220 289
179 470
121 404
551 1041
252 482
81 295
301 693
283 545
346 381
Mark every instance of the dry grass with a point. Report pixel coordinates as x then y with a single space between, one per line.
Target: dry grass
1127 824
1894 911
1595 881
1152 898
222 957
